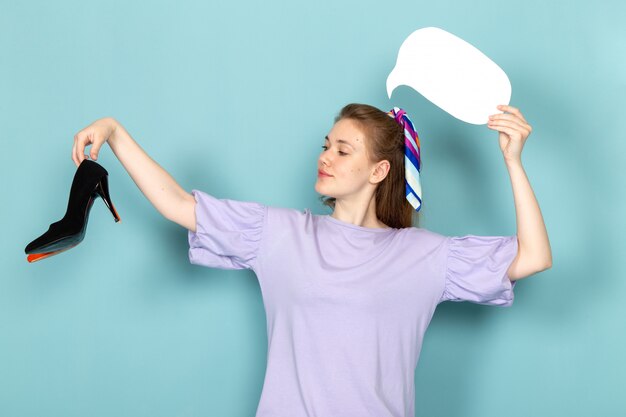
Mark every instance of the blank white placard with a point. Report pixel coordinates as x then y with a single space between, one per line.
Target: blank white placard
452 74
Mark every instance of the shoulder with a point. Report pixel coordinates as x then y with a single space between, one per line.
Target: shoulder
421 241
285 217
423 235
288 213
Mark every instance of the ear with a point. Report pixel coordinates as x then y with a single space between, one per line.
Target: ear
380 171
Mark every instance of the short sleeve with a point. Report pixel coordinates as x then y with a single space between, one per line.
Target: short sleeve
476 269
228 232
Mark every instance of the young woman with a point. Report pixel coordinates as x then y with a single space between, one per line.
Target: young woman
348 296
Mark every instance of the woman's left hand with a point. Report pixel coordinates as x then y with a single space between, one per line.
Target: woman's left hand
514 131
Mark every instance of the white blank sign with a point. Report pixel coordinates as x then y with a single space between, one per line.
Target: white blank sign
452 74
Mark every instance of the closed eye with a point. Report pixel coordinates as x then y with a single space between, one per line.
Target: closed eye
340 152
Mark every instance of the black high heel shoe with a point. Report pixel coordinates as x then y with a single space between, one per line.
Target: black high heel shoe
90 182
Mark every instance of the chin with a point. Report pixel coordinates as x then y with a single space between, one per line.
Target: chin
320 189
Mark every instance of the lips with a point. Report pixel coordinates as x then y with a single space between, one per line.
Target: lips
320 172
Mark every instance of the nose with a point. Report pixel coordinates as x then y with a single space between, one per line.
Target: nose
324 158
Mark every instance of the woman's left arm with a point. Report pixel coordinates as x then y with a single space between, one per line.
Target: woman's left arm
534 253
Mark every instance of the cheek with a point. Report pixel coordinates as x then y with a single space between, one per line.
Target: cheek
358 169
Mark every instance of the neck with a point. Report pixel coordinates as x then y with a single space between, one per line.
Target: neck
358 213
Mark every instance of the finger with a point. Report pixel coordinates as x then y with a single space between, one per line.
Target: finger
82 141
508 123
95 148
77 148
512 123
513 110
74 152
510 117
509 131
509 128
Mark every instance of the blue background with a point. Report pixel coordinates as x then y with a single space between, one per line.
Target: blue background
234 98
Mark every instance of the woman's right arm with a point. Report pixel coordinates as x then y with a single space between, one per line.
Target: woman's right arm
169 198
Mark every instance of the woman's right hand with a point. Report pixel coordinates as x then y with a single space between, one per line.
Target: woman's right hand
95 135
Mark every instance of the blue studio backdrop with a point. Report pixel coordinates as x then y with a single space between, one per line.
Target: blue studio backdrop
235 98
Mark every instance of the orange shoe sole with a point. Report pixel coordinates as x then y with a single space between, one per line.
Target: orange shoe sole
34 257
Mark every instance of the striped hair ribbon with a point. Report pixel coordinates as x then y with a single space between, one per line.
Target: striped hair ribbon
412 160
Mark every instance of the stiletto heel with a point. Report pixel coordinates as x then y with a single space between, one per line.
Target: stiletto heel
90 182
102 189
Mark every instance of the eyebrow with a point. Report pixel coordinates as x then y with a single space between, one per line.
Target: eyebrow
341 141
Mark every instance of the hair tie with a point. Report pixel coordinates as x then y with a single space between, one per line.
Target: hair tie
412 160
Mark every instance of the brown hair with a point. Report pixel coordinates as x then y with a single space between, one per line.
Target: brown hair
384 139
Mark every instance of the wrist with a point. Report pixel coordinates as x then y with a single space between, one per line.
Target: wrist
115 129
516 161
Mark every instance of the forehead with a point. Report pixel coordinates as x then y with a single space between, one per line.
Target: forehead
347 131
